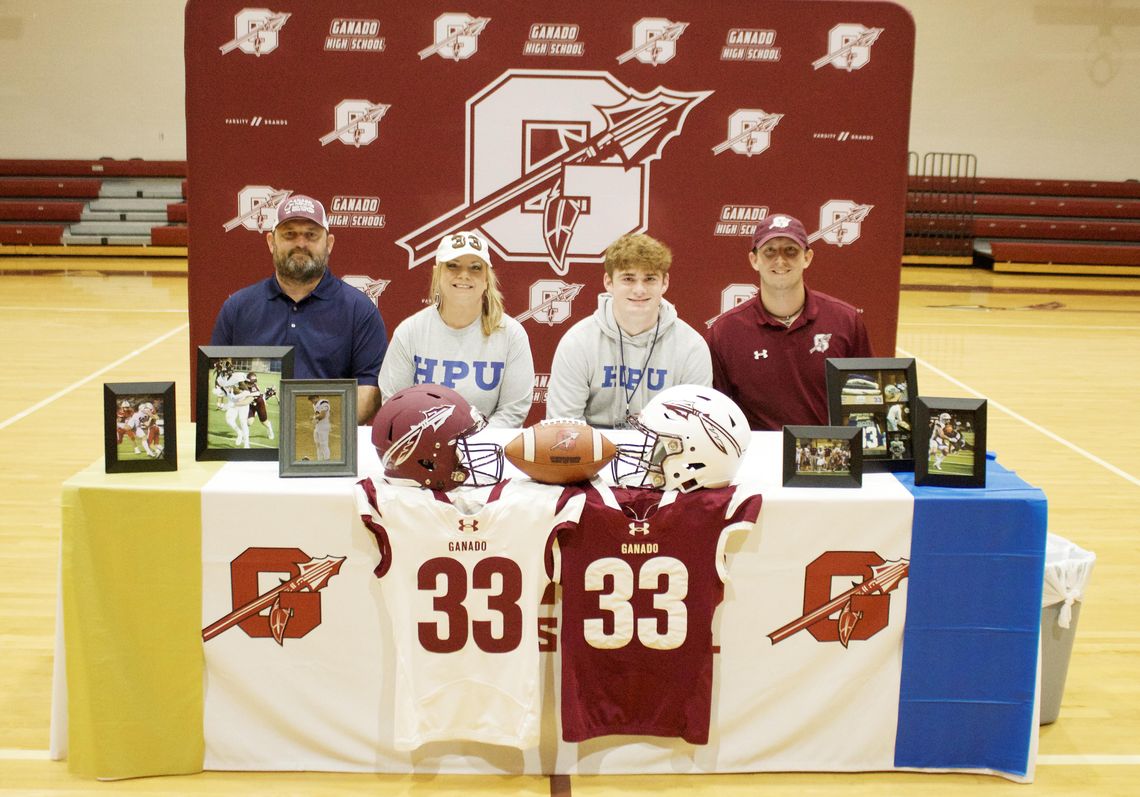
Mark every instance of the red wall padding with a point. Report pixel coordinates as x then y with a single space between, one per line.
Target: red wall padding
1011 205
1057 229
30 210
68 187
102 167
1014 185
175 235
49 234
1102 254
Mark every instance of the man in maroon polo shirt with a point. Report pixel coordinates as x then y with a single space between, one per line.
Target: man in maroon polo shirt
769 353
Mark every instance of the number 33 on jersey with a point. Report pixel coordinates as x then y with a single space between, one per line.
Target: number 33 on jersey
462 576
642 572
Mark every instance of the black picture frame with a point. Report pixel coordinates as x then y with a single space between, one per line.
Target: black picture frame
301 429
834 456
951 462
878 395
140 427
219 421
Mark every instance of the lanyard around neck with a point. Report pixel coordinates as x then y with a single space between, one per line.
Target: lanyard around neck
630 392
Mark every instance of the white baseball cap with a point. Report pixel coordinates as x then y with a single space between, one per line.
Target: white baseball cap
460 243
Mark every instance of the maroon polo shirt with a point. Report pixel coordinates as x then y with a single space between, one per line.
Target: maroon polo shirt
777 374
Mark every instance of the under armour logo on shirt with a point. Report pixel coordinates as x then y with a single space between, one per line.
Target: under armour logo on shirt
756 355
638 528
468 525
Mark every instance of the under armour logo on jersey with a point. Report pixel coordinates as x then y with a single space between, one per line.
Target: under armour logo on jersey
638 528
468 526
763 353
822 342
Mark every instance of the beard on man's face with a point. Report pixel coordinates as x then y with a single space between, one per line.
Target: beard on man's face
300 265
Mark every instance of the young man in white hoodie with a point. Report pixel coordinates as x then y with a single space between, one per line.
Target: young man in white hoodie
608 366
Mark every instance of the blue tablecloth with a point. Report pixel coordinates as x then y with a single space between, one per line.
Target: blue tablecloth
969 651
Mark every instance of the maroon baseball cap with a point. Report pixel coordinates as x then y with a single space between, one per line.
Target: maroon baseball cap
300 206
779 225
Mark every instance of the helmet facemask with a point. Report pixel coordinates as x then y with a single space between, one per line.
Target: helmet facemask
694 437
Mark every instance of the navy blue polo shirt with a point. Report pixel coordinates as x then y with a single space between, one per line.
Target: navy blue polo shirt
336 331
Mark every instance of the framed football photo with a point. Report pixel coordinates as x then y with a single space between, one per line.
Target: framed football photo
876 395
951 451
139 428
238 410
823 456
318 427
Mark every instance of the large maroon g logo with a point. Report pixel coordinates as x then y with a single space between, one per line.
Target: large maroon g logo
294 606
857 613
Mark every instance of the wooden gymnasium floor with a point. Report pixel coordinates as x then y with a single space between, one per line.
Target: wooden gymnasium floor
1056 356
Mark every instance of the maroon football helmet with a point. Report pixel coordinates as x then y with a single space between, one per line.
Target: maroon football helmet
421 436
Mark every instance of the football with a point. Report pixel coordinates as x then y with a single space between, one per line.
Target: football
560 451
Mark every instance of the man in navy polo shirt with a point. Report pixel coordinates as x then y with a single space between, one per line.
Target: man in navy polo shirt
335 330
769 353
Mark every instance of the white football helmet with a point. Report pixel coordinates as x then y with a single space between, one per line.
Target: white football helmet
694 437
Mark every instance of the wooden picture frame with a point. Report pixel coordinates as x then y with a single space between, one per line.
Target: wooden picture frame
878 395
957 458
823 456
140 427
238 417
318 427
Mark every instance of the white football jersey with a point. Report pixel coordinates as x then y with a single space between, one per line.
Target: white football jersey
462 576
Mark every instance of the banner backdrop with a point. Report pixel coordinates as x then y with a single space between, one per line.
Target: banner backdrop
554 128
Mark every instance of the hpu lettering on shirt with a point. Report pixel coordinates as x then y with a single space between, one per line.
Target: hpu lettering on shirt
625 376
487 375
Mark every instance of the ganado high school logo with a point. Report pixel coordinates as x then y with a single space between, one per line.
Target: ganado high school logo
558 165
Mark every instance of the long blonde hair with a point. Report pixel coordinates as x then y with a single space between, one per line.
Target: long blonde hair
491 316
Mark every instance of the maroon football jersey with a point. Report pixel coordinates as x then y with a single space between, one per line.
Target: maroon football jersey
642 572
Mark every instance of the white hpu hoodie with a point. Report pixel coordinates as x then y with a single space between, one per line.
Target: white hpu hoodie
601 374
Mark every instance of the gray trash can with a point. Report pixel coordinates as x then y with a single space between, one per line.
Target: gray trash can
1067 570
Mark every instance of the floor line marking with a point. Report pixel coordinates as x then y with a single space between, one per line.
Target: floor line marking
76 385
560 784
1095 328
24 755
1019 417
1098 759
20 308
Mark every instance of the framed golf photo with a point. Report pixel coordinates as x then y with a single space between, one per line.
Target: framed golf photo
238 409
318 427
823 456
876 395
140 431
951 451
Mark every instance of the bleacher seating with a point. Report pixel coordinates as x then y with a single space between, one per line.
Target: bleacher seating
1011 224
102 203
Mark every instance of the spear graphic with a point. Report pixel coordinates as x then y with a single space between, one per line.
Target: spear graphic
472 28
314 575
635 124
374 113
564 295
864 39
765 125
884 578
271 202
270 25
856 214
670 34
